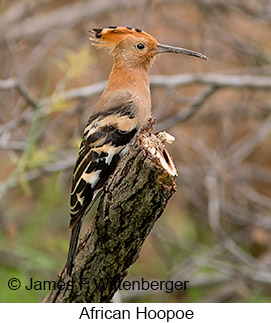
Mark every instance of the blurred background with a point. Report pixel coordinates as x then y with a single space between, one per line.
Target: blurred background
216 231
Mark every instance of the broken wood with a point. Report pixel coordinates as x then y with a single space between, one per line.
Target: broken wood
134 198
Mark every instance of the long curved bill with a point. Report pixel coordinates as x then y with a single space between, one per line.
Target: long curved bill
178 50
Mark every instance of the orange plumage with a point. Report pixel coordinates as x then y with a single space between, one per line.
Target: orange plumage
123 108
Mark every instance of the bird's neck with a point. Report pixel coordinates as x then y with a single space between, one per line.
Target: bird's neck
127 83
127 77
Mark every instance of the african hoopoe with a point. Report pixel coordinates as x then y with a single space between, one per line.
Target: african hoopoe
123 108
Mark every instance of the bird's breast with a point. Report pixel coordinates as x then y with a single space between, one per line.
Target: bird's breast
140 103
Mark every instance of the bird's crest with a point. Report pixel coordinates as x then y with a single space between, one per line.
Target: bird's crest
111 36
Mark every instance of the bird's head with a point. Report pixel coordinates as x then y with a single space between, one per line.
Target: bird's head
134 47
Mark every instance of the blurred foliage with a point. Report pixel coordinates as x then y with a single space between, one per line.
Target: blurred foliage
75 64
225 255
59 103
35 248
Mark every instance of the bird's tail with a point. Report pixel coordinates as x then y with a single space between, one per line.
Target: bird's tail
72 247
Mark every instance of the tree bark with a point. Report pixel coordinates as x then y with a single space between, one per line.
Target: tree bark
133 200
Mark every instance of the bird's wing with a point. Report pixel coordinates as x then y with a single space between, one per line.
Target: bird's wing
104 139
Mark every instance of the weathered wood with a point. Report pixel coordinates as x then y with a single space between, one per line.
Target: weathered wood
133 200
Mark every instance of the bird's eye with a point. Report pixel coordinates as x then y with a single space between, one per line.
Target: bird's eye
140 46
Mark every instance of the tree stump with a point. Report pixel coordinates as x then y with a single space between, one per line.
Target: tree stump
134 198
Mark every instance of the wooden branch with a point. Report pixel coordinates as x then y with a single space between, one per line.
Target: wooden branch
214 81
133 200
188 112
177 80
11 83
217 80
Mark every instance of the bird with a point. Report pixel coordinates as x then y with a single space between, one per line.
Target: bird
122 110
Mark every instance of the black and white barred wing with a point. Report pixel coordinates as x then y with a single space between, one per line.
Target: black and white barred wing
104 139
